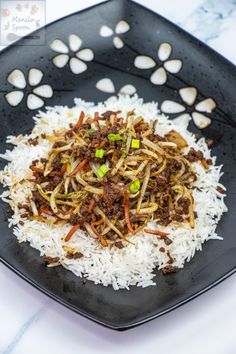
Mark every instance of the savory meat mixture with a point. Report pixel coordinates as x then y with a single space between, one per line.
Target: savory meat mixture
110 176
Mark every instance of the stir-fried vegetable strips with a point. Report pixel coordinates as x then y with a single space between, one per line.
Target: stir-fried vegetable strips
110 175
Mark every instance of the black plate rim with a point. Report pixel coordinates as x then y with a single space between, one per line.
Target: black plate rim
106 324
190 35
187 299
196 40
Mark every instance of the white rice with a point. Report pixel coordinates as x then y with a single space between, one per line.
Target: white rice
134 264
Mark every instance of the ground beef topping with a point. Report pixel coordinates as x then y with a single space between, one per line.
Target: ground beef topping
110 175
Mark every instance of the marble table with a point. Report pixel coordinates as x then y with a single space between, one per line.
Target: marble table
30 322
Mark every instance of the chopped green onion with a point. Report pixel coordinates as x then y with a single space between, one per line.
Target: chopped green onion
124 152
99 153
135 143
68 195
65 159
102 170
135 186
114 137
90 132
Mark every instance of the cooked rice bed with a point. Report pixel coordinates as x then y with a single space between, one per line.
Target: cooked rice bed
134 264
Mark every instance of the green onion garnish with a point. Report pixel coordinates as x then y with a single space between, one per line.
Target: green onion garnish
68 195
65 159
135 143
135 186
90 132
99 153
114 137
102 170
124 152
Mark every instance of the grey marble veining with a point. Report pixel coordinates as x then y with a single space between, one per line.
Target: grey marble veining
210 19
23 329
214 22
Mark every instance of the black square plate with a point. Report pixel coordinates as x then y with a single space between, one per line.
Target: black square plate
116 36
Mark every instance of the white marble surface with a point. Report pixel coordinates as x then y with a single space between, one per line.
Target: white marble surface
32 323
